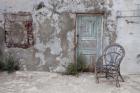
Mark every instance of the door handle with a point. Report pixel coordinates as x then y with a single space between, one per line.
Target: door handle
76 45
77 36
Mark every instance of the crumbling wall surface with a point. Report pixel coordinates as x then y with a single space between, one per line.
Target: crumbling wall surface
1 35
128 30
54 30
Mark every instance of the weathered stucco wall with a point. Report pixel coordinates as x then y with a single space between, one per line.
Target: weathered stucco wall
128 30
54 29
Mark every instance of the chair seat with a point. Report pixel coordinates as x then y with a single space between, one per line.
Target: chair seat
109 67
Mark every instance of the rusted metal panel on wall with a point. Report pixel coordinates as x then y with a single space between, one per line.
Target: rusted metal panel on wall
18 29
89 37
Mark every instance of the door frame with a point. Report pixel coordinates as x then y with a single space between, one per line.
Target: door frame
75 33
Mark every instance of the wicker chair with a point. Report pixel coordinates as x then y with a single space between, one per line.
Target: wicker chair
108 65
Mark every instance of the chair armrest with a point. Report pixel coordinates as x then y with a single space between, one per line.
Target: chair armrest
100 61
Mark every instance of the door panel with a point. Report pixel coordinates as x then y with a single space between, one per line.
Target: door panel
89 58
89 38
87 44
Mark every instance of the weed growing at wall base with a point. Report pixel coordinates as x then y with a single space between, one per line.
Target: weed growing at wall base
75 68
2 65
9 63
71 69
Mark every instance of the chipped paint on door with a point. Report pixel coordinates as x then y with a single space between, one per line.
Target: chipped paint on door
89 38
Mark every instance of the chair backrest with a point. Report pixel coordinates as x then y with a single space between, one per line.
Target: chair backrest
113 54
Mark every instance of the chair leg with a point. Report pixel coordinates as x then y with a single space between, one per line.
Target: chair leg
106 74
121 77
97 78
117 80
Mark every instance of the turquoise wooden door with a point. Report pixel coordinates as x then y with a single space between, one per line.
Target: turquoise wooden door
89 38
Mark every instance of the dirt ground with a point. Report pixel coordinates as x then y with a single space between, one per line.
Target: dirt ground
45 82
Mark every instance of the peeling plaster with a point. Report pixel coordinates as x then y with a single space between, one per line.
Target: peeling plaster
41 49
55 46
54 27
70 43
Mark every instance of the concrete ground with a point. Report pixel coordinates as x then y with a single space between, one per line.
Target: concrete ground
45 82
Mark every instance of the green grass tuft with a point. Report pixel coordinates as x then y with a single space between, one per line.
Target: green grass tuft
75 68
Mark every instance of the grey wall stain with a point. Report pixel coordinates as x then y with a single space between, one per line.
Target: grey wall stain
52 48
